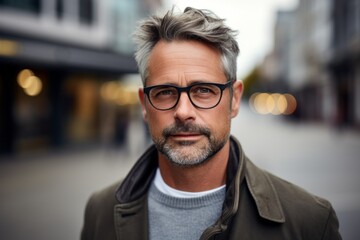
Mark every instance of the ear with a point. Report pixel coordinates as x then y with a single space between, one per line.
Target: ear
236 99
142 101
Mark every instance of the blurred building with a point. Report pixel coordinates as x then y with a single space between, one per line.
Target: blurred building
275 70
345 61
316 57
55 57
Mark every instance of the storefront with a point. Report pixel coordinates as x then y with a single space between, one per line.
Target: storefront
51 95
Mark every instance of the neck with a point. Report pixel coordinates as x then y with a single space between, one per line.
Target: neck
207 176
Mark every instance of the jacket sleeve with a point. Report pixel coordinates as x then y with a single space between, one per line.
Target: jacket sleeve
332 227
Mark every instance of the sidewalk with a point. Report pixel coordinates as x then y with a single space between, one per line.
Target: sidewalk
44 198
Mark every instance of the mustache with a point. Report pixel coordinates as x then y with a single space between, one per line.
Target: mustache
186 128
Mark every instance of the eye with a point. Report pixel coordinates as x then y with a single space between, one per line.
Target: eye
163 91
204 90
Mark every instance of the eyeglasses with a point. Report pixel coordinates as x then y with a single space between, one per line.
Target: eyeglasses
201 95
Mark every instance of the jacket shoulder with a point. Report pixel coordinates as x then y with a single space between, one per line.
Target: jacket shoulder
296 198
312 216
265 184
106 195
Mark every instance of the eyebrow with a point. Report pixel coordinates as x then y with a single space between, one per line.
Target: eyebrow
191 82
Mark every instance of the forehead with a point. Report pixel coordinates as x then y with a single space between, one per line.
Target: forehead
184 61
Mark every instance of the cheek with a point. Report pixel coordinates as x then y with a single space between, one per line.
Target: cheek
225 118
157 122
224 127
220 121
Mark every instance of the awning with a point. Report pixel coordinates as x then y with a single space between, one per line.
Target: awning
51 54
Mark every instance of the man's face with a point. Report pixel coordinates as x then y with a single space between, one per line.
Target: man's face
186 135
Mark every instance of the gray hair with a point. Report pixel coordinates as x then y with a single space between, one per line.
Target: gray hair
193 24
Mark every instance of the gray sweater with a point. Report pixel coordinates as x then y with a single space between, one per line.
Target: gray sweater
182 218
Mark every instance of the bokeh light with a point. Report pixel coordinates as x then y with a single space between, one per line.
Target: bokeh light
118 93
23 78
273 103
291 104
31 84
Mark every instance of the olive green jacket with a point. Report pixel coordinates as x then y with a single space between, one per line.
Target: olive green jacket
258 205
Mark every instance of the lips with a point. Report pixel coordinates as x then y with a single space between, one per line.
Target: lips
186 136
186 131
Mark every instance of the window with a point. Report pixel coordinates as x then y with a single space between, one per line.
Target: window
86 11
59 9
32 6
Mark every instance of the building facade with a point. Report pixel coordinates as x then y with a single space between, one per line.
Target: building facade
345 61
55 57
316 57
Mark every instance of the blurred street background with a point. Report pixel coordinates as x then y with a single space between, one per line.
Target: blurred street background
70 121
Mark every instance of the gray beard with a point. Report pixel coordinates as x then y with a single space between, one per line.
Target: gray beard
188 153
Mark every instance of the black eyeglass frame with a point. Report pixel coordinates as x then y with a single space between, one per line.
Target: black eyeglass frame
179 90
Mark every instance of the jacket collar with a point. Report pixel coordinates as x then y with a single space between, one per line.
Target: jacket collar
139 179
259 185
264 194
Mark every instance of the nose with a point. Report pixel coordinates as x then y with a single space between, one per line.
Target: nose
184 110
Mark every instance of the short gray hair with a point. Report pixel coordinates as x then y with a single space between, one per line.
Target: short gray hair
193 24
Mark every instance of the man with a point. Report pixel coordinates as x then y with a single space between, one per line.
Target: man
196 182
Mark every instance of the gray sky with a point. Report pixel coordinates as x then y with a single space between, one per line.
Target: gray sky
254 20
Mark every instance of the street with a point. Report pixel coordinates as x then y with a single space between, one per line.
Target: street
43 195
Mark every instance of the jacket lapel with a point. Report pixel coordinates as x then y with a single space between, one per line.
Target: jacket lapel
131 220
263 193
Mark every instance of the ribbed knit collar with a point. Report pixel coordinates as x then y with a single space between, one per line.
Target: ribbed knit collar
187 203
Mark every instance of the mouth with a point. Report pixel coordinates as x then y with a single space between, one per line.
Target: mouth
186 136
